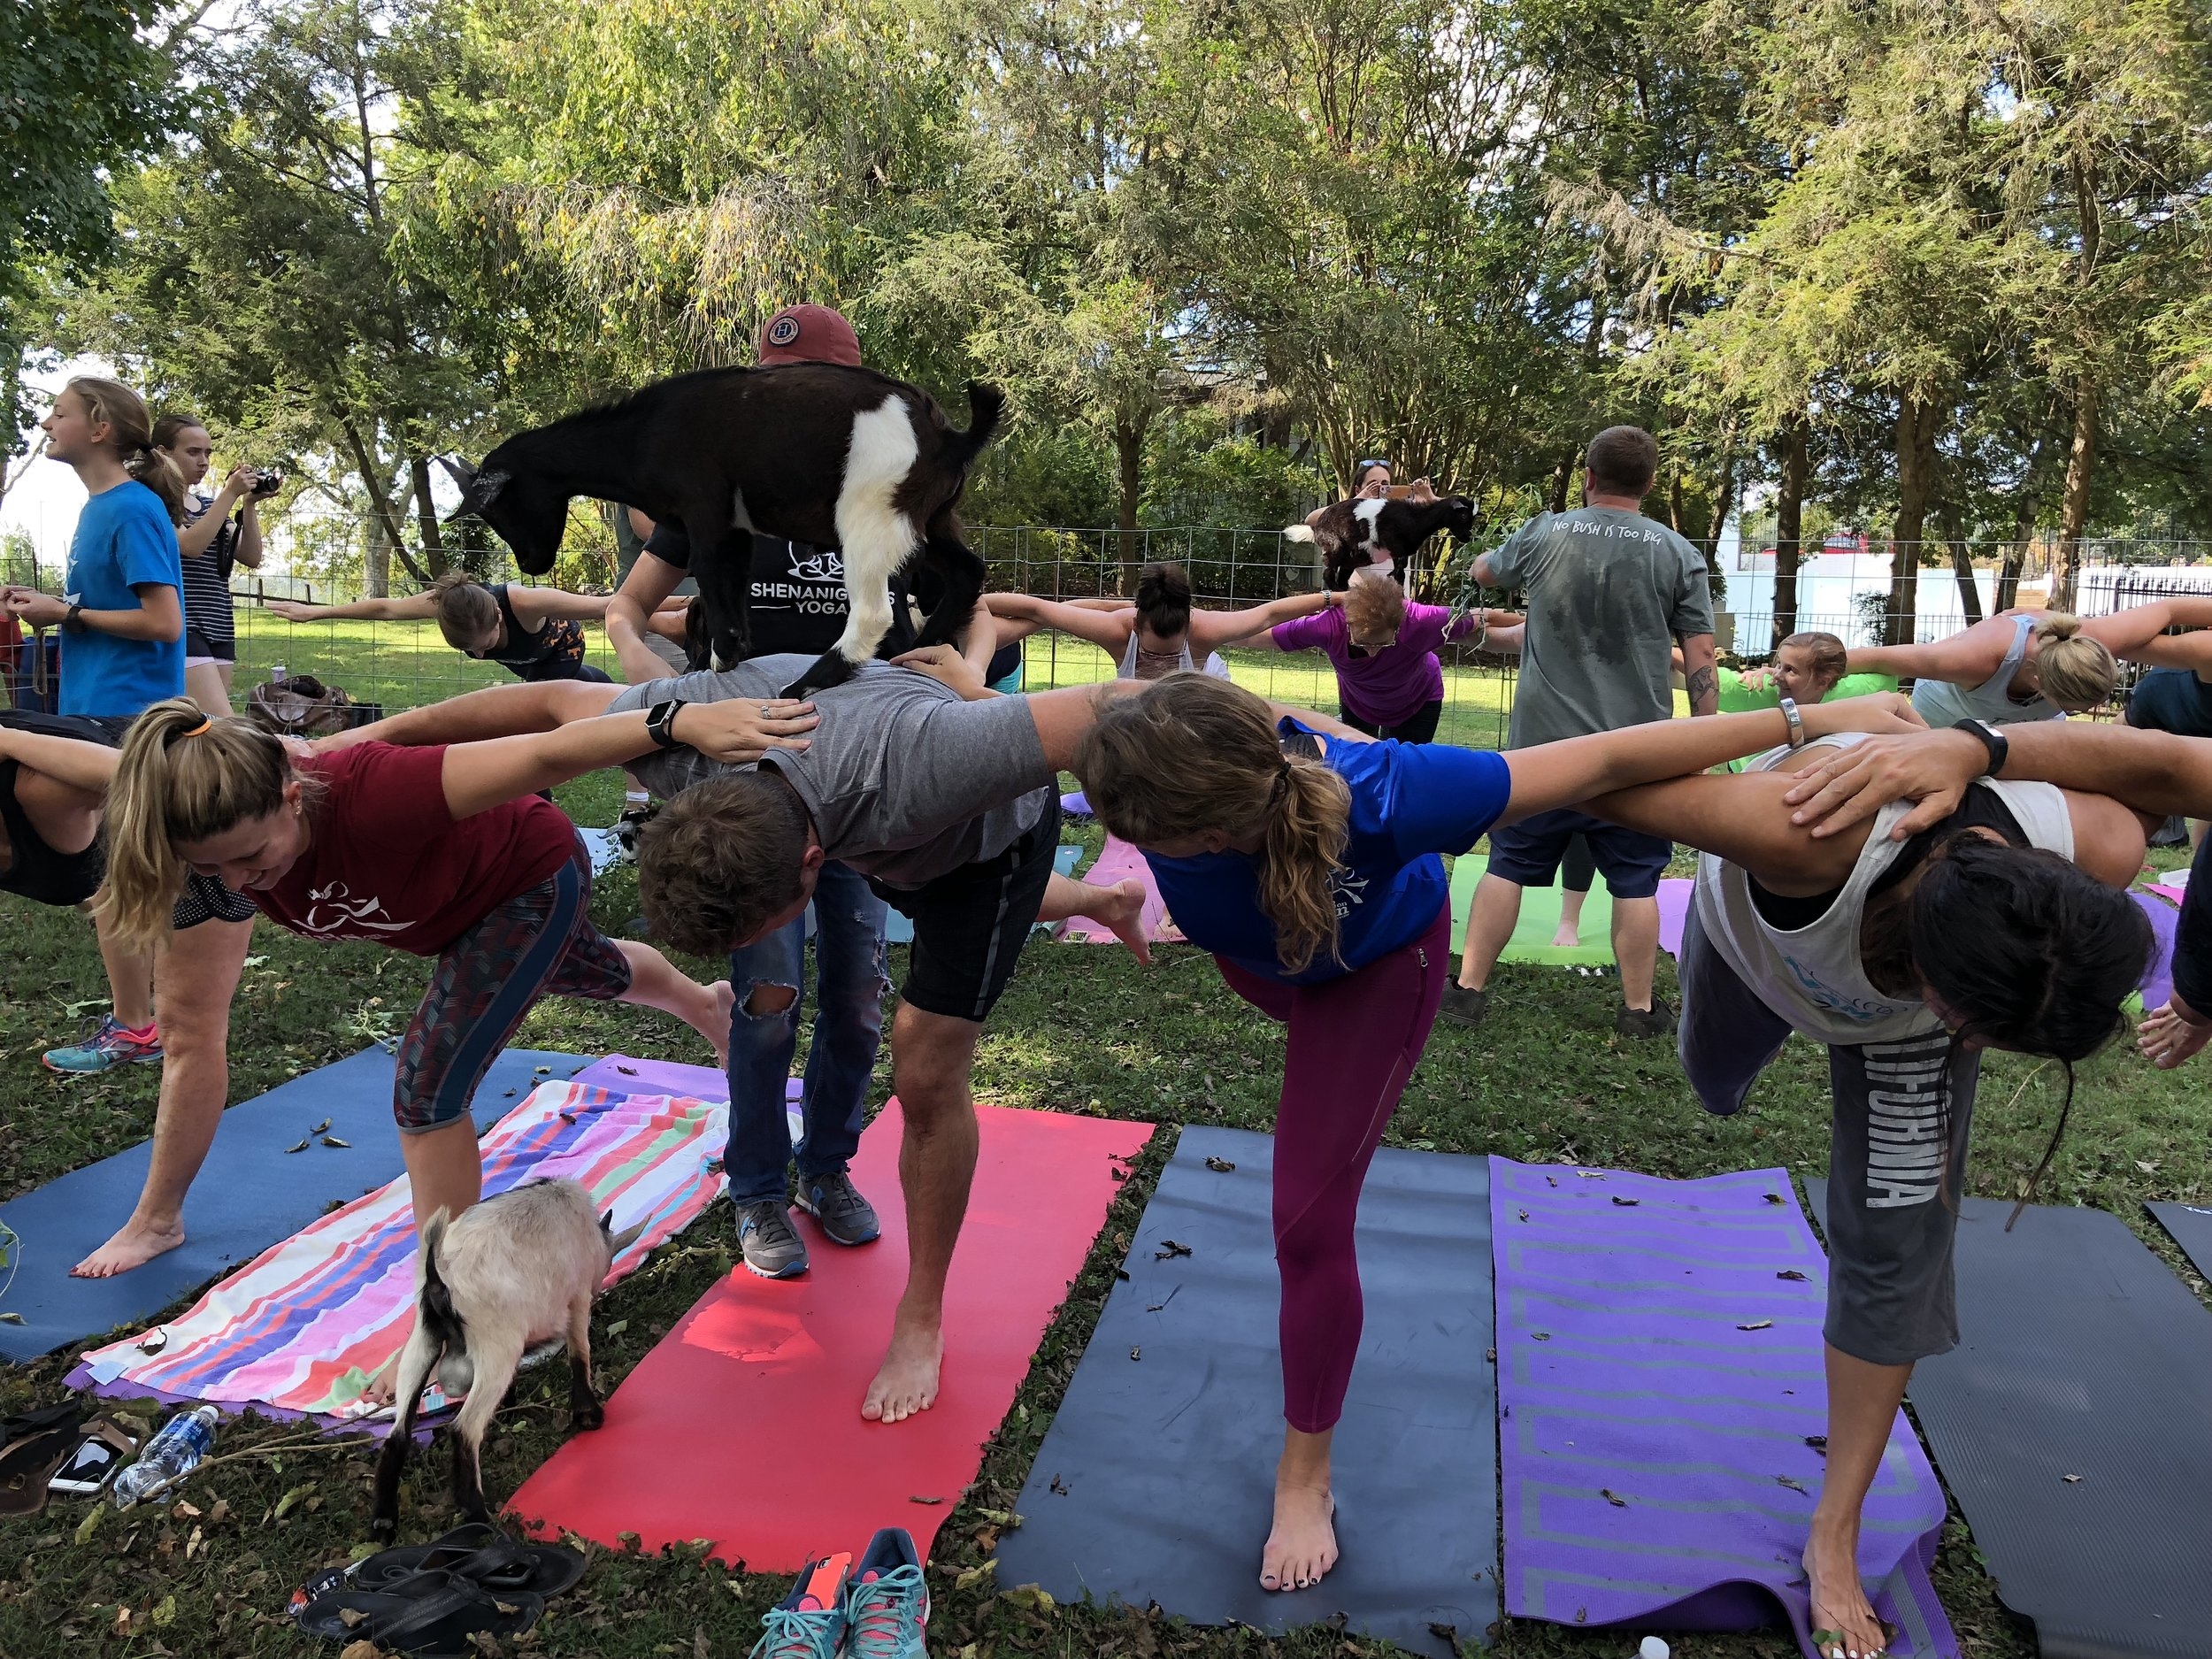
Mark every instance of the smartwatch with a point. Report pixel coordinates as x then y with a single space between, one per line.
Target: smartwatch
73 623
1992 740
1795 721
660 722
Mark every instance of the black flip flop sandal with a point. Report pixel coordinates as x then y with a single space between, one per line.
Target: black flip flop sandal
31 1458
432 1614
481 1554
26 1426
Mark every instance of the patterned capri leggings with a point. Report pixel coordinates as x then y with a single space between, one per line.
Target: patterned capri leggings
1353 1045
539 943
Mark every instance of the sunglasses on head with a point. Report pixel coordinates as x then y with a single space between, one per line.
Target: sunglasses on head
1370 465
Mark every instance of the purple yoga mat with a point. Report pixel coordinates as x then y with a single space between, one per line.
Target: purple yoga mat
1624 1369
1674 912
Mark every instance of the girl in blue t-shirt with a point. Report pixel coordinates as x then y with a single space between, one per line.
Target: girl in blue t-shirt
1309 865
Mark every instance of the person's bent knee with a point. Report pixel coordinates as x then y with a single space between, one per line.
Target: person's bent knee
764 1001
418 1116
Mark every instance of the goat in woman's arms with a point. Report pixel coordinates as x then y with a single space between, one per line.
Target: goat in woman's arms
1381 531
817 452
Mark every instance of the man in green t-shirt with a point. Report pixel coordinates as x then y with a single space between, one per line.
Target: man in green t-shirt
1610 593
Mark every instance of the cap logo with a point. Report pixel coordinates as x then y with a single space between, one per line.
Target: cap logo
783 331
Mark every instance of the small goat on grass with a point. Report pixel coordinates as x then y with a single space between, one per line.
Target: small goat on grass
1385 531
818 452
515 1271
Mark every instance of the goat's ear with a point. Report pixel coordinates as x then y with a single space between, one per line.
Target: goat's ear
477 493
606 1222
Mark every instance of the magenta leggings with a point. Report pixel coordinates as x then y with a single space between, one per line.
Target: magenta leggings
1354 1043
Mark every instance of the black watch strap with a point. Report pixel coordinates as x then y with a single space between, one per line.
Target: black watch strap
1992 740
660 722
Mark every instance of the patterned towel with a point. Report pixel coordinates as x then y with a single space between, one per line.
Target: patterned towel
302 1328
1116 863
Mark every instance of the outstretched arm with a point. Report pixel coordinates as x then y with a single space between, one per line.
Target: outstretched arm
1108 630
2125 633
2154 773
1699 674
2192 651
1554 775
415 607
87 767
1211 629
534 605
1965 659
495 711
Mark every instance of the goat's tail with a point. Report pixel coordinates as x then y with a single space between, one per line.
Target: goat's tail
986 405
436 1310
1297 532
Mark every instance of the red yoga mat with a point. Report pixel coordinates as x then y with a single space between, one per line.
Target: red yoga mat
743 1425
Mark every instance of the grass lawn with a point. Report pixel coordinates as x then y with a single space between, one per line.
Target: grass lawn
1083 1029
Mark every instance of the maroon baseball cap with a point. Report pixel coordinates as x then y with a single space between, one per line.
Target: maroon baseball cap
809 333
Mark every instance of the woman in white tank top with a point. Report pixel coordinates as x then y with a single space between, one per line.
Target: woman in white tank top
2010 927
2023 665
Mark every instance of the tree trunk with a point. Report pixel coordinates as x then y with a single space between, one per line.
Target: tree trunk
380 503
1789 528
427 518
1129 451
2081 459
1674 503
1961 562
376 562
1916 422
1562 479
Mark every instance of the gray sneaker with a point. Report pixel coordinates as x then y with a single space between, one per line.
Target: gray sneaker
1655 1021
833 1200
1463 1004
771 1245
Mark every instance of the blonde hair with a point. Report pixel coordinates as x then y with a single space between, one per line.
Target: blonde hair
183 776
122 411
466 609
1189 754
2076 672
1374 608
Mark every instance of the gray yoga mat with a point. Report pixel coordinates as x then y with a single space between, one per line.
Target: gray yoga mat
2190 1226
2073 1423
1155 1481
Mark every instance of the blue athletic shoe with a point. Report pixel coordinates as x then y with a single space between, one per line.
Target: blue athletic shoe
809 1623
886 1604
109 1045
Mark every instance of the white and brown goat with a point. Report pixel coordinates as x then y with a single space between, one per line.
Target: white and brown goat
1379 531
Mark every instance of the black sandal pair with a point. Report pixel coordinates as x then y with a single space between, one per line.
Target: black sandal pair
431 1600
32 1447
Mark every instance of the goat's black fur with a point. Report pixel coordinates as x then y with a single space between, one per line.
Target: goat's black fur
727 452
1395 529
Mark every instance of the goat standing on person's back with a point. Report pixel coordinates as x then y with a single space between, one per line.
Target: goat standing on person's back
514 1270
1380 531
822 453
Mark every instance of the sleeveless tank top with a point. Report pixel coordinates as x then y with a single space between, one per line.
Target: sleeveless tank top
1812 975
35 870
1140 664
561 639
1942 703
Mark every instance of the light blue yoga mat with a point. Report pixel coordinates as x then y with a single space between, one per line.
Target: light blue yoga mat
250 1194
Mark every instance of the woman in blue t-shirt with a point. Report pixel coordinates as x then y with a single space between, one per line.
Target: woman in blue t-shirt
121 617
1309 865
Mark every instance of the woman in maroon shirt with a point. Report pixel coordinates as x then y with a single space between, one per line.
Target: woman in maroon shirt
444 852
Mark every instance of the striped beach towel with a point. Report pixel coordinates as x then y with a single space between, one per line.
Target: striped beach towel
302 1328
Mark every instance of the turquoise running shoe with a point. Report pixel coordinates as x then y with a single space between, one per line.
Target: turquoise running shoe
109 1045
886 1604
809 1623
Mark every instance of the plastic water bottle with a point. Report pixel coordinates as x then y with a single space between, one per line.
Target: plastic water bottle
170 1455
276 673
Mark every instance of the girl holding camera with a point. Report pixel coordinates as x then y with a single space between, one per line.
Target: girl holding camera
211 543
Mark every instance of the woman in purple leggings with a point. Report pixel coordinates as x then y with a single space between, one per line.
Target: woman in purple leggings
1308 864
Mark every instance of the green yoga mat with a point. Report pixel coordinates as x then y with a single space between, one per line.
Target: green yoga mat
1540 919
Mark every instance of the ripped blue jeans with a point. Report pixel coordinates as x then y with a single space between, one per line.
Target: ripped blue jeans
847 1027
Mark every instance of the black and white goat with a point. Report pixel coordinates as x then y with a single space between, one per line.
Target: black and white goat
841 457
1382 532
515 1271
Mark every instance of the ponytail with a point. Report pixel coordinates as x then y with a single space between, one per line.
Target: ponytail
2076 672
131 435
465 608
183 776
1191 753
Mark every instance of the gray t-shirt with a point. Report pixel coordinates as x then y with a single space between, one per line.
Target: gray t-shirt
904 781
1608 593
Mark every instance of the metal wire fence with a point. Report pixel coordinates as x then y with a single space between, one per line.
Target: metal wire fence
1843 587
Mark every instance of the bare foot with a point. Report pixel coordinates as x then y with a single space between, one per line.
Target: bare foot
725 1001
134 1244
378 1392
1123 912
907 1382
1566 938
1844 1625
1302 1545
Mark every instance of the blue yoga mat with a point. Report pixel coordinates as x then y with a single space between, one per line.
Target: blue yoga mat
1155 1482
250 1194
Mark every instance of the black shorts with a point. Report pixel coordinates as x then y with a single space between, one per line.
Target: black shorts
1529 853
204 899
197 645
1418 728
969 924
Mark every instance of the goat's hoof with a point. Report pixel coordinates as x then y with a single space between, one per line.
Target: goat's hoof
594 1418
383 1530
